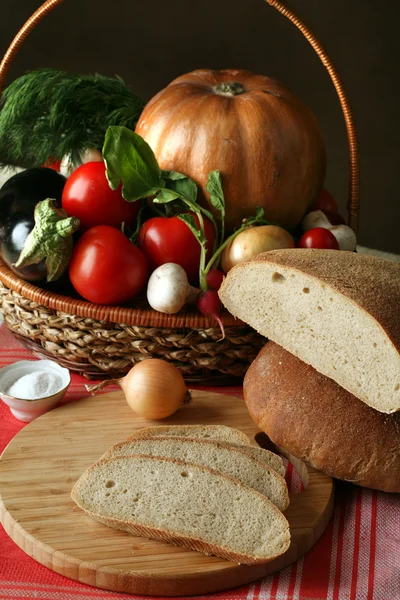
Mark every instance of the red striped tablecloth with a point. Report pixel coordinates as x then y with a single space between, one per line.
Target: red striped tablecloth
357 558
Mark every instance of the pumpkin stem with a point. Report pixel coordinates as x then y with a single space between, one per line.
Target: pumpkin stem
230 88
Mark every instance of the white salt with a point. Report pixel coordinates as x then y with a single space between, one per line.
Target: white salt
38 384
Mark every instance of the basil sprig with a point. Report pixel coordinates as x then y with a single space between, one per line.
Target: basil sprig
130 160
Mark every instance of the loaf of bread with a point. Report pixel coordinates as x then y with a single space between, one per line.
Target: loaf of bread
222 433
226 459
184 504
337 311
315 419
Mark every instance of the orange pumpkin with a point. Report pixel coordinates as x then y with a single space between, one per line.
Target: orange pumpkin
264 140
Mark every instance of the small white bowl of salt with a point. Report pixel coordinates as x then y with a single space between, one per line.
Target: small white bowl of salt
33 387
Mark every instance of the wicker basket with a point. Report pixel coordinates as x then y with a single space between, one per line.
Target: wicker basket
100 341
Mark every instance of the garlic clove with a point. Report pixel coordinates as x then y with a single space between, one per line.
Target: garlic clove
316 218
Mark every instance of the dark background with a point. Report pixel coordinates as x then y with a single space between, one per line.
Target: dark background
150 43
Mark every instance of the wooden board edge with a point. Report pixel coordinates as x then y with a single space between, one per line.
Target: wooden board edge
152 584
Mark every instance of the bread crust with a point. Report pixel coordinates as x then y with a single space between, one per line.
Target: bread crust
370 282
193 543
316 420
155 430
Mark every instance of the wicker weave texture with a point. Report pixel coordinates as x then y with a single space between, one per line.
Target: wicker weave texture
96 348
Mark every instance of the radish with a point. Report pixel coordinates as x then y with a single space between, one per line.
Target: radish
214 279
210 305
168 289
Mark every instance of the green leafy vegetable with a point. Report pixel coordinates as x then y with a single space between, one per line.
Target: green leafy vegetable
130 159
181 184
184 188
217 198
172 175
165 196
47 114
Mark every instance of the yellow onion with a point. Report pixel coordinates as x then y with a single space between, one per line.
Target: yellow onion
153 388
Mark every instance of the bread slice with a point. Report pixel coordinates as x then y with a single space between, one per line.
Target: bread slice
318 421
228 460
219 433
186 505
270 459
337 311
222 433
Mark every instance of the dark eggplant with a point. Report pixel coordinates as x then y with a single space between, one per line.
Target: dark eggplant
18 198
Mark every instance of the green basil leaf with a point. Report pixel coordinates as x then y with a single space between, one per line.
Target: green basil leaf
185 188
165 195
214 188
128 158
182 189
173 175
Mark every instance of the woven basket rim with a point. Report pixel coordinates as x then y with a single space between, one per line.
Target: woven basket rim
110 314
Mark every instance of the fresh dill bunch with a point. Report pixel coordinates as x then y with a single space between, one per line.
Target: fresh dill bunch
47 114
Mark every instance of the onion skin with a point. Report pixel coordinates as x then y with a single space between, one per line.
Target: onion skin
265 141
253 241
154 389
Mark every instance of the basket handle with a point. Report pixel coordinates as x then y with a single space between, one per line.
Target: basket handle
353 202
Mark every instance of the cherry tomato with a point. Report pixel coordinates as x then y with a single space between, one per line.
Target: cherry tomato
168 239
88 196
325 202
318 238
106 268
53 164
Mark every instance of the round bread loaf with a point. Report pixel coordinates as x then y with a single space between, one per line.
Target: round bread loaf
313 418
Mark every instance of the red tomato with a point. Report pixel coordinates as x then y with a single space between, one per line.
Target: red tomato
319 237
168 239
325 202
53 164
88 196
106 268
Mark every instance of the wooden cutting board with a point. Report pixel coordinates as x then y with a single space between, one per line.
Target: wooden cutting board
40 465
